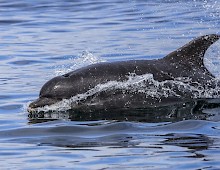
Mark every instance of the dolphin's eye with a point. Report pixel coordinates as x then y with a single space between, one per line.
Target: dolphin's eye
46 96
66 75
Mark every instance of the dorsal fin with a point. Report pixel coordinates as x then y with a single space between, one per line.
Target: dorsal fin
193 52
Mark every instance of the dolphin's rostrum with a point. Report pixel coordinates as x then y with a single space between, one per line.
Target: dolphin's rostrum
186 61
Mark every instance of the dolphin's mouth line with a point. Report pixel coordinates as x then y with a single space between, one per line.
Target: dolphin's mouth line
41 102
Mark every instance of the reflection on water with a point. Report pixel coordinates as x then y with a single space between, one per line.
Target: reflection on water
103 142
175 112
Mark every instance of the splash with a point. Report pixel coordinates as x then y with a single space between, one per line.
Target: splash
213 7
86 58
139 84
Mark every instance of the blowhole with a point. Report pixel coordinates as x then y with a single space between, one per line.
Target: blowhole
66 75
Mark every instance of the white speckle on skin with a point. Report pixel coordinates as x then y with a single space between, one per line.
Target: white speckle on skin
206 37
55 87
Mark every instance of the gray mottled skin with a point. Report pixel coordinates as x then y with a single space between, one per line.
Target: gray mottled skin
186 61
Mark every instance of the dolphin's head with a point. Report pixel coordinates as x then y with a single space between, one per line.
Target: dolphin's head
52 92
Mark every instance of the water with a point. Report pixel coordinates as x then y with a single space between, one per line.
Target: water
42 39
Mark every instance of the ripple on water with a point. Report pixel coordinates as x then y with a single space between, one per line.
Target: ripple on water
25 62
40 37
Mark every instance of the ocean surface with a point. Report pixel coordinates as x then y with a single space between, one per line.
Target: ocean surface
44 38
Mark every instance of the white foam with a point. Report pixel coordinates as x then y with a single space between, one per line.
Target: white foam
144 84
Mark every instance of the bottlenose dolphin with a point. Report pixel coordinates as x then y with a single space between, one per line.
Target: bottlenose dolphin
185 62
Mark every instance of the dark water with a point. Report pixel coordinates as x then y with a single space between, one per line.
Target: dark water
40 39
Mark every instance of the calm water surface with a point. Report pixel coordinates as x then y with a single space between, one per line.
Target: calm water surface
41 39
